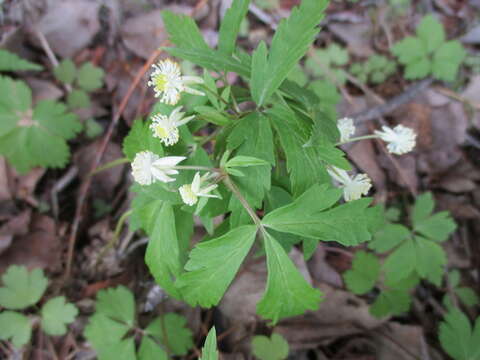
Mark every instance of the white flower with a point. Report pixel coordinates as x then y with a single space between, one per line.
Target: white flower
148 167
191 192
400 139
168 82
353 187
166 127
346 128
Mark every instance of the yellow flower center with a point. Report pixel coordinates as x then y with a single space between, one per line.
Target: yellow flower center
188 196
161 131
160 82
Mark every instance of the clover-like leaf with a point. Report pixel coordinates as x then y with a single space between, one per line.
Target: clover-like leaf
171 331
22 288
90 77
16 327
65 72
56 314
273 348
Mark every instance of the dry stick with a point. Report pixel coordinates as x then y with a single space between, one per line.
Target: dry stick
85 186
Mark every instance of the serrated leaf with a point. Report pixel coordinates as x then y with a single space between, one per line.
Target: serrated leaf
418 69
391 302
467 296
388 237
183 31
291 41
11 62
431 32
90 77
140 138
65 72
230 26
209 350
150 350
171 329
27 137
287 293
363 275
423 207
409 50
447 59
163 240
22 288
212 115
56 314
213 265
15 327
457 337
273 348
245 161
437 227
78 99
430 260
303 163
401 262
311 215
117 303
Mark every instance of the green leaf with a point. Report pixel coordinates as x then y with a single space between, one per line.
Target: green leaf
291 41
423 207
418 69
16 327
25 136
245 161
437 227
150 350
311 216
303 163
210 59
409 50
92 128
394 302
430 261
431 32
117 303
209 350
22 288
78 99
140 138
230 26
457 337
467 296
65 72
171 329
259 75
447 59
213 265
11 62
273 348
287 293
388 237
183 31
56 313
90 77
363 275
164 240
212 115
401 262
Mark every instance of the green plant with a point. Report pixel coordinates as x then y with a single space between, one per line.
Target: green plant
84 79
270 348
268 177
209 350
22 290
327 63
375 70
465 294
429 52
413 254
115 315
458 338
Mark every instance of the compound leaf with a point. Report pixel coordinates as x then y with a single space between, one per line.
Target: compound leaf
171 329
22 288
15 326
213 265
56 313
287 293
90 77
431 32
361 278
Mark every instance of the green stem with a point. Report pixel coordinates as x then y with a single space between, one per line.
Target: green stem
373 136
192 167
109 165
216 95
236 192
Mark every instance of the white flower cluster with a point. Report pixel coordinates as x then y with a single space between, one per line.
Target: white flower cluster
400 140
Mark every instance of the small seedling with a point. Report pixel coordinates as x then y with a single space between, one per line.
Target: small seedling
273 348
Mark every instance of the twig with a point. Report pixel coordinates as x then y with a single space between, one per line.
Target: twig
61 184
392 104
263 16
85 186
